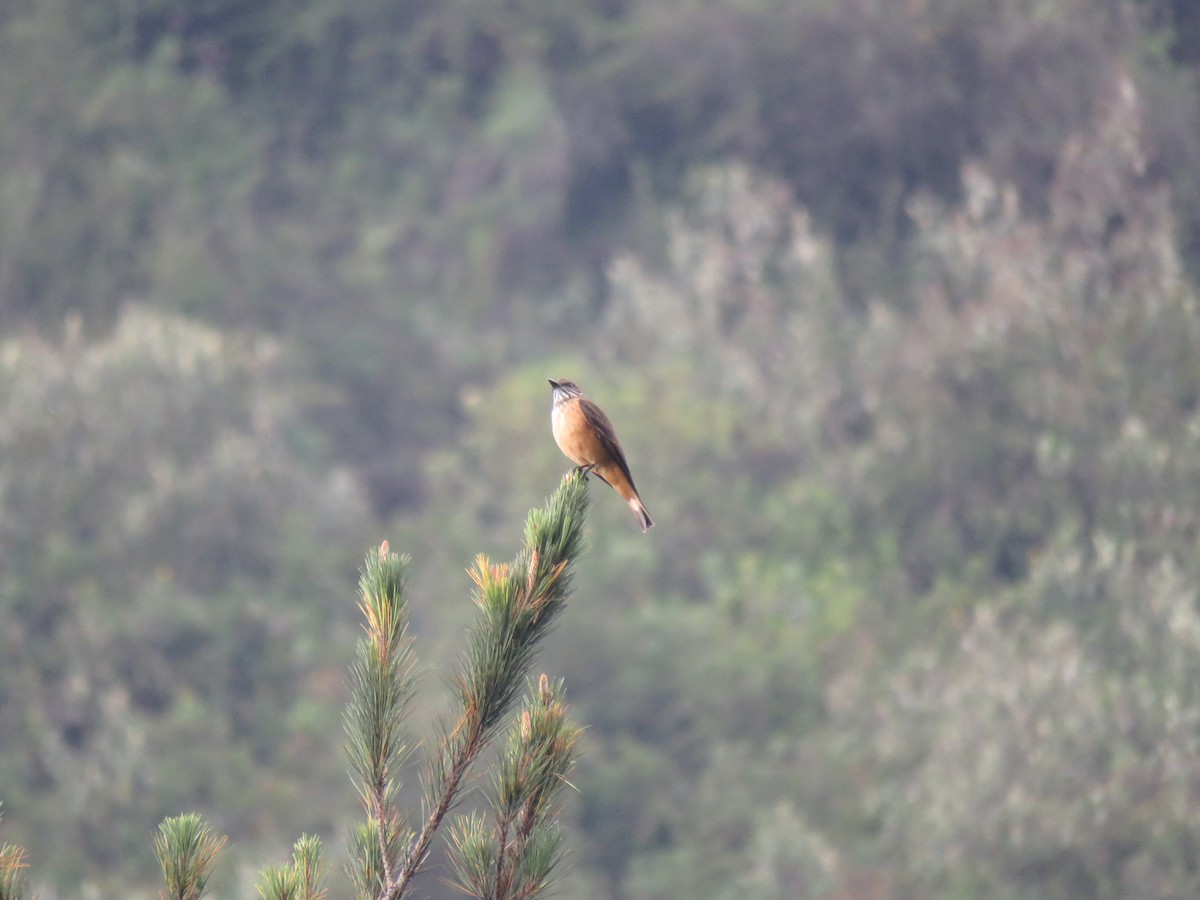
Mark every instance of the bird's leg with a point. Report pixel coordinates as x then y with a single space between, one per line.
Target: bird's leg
584 470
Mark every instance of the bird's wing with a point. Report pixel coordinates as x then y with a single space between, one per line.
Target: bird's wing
604 430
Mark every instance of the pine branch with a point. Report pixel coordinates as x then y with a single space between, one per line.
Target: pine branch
303 879
382 690
278 883
306 859
12 871
187 849
541 756
517 857
516 603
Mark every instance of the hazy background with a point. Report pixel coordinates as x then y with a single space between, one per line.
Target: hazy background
894 305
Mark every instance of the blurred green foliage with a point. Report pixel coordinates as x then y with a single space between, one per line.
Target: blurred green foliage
171 547
893 305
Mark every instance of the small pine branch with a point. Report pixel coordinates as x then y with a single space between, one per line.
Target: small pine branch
382 684
517 603
473 855
187 848
366 866
534 769
12 871
517 856
306 860
278 883
304 879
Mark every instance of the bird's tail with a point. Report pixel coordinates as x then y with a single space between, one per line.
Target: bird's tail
641 513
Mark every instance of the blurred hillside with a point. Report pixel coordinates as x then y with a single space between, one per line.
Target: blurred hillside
895 308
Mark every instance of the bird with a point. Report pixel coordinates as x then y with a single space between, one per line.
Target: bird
585 436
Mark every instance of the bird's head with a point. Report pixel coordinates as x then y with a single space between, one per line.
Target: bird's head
564 390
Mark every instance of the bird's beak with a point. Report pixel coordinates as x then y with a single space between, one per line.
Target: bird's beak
553 383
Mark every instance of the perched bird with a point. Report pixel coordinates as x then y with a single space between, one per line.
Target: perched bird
584 433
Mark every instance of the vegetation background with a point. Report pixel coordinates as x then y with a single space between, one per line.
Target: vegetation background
895 306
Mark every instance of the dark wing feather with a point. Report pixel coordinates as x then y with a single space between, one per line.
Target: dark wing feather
604 430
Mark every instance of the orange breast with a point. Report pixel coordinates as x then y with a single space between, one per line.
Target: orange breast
573 434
